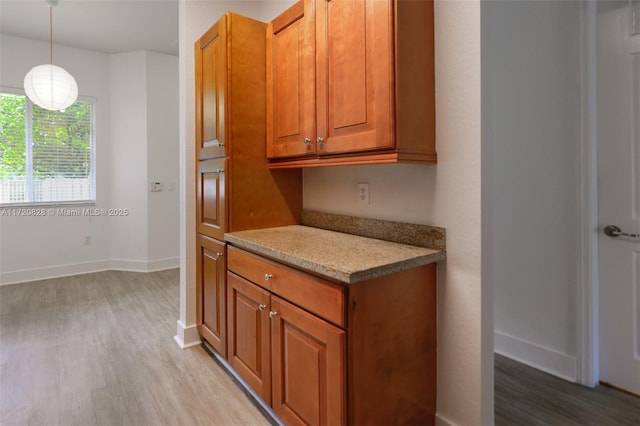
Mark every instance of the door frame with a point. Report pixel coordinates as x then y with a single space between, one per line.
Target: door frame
587 321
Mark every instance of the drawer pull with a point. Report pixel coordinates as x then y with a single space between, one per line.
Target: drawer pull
267 277
262 307
273 314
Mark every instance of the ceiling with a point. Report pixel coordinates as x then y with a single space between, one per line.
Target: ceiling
110 26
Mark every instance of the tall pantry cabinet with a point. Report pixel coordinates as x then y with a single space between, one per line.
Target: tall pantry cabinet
235 189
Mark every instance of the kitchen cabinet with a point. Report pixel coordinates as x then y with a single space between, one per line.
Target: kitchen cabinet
351 82
211 212
235 190
324 352
210 64
210 296
294 359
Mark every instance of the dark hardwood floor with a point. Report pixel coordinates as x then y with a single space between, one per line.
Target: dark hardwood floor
526 396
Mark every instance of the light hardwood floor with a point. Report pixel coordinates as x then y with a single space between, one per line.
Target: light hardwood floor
98 349
526 396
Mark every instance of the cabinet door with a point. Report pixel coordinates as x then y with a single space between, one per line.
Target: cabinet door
210 76
210 292
291 82
308 367
249 333
355 72
211 208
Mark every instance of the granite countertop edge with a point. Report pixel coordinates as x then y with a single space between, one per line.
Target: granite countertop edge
344 276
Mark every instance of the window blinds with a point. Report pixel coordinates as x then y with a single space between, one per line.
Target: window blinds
46 157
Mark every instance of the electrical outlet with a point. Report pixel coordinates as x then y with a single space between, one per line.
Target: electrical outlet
363 193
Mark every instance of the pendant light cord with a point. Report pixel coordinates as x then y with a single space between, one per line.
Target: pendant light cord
51 35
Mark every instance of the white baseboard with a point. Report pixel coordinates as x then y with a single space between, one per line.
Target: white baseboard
442 421
187 337
545 359
143 265
36 274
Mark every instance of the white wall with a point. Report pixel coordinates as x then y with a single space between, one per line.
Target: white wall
34 248
127 89
445 195
534 110
162 159
144 93
129 245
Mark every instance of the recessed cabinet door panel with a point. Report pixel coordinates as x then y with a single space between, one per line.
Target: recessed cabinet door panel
211 209
291 83
355 75
249 333
210 70
308 367
210 292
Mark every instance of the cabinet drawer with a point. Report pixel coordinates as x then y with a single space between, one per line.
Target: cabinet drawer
321 297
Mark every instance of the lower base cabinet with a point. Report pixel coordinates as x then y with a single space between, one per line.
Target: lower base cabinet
210 292
322 353
292 359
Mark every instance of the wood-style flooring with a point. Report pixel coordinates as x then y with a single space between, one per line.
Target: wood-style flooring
526 396
98 349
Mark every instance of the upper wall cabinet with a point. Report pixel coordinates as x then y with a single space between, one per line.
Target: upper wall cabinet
351 82
210 66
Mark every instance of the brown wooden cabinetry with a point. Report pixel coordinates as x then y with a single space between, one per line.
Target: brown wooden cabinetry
235 190
211 215
210 59
250 333
371 64
324 353
293 359
211 303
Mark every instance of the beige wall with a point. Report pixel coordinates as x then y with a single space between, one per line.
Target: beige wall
448 195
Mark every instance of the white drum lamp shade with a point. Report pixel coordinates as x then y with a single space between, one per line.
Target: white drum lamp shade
51 87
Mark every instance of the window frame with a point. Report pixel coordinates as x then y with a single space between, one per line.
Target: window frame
28 135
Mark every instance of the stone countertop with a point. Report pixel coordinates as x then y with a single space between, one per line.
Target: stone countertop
344 257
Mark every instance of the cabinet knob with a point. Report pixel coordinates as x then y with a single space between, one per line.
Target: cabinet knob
273 314
267 277
262 307
319 139
219 254
307 141
219 171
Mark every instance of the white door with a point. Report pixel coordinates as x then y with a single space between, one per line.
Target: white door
619 193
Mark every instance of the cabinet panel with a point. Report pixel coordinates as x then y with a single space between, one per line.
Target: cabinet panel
210 292
319 296
358 82
308 367
210 70
249 333
211 209
291 83
374 84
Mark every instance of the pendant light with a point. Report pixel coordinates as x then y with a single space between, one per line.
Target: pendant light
49 86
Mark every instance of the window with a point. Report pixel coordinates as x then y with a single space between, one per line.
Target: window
46 157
